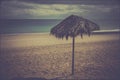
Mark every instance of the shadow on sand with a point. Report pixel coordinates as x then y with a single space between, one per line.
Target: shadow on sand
31 78
34 78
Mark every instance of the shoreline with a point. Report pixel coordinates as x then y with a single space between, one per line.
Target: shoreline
25 33
94 32
45 39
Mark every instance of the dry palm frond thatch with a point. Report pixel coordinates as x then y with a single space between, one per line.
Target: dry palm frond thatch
73 26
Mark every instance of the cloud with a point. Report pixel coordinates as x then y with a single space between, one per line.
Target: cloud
48 10
31 9
17 9
83 2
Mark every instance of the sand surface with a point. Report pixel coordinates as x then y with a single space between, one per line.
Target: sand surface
44 39
39 56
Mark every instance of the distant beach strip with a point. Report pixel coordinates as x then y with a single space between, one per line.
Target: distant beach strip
106 31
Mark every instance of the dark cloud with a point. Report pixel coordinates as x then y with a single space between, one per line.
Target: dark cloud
85 2
10 4
109 9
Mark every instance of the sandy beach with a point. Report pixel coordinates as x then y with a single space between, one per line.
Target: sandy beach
35 56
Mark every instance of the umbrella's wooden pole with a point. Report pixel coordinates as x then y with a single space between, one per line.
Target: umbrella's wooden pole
73 47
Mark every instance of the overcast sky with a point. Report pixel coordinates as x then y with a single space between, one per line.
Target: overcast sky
59 9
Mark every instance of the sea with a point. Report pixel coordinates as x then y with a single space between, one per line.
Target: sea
13 26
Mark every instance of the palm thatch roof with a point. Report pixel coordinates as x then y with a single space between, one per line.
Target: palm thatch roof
73 26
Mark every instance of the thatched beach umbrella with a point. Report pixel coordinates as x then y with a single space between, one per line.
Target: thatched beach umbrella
73 26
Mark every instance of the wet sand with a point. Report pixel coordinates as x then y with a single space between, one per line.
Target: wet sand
42 56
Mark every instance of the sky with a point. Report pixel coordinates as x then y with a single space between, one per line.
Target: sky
59 9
